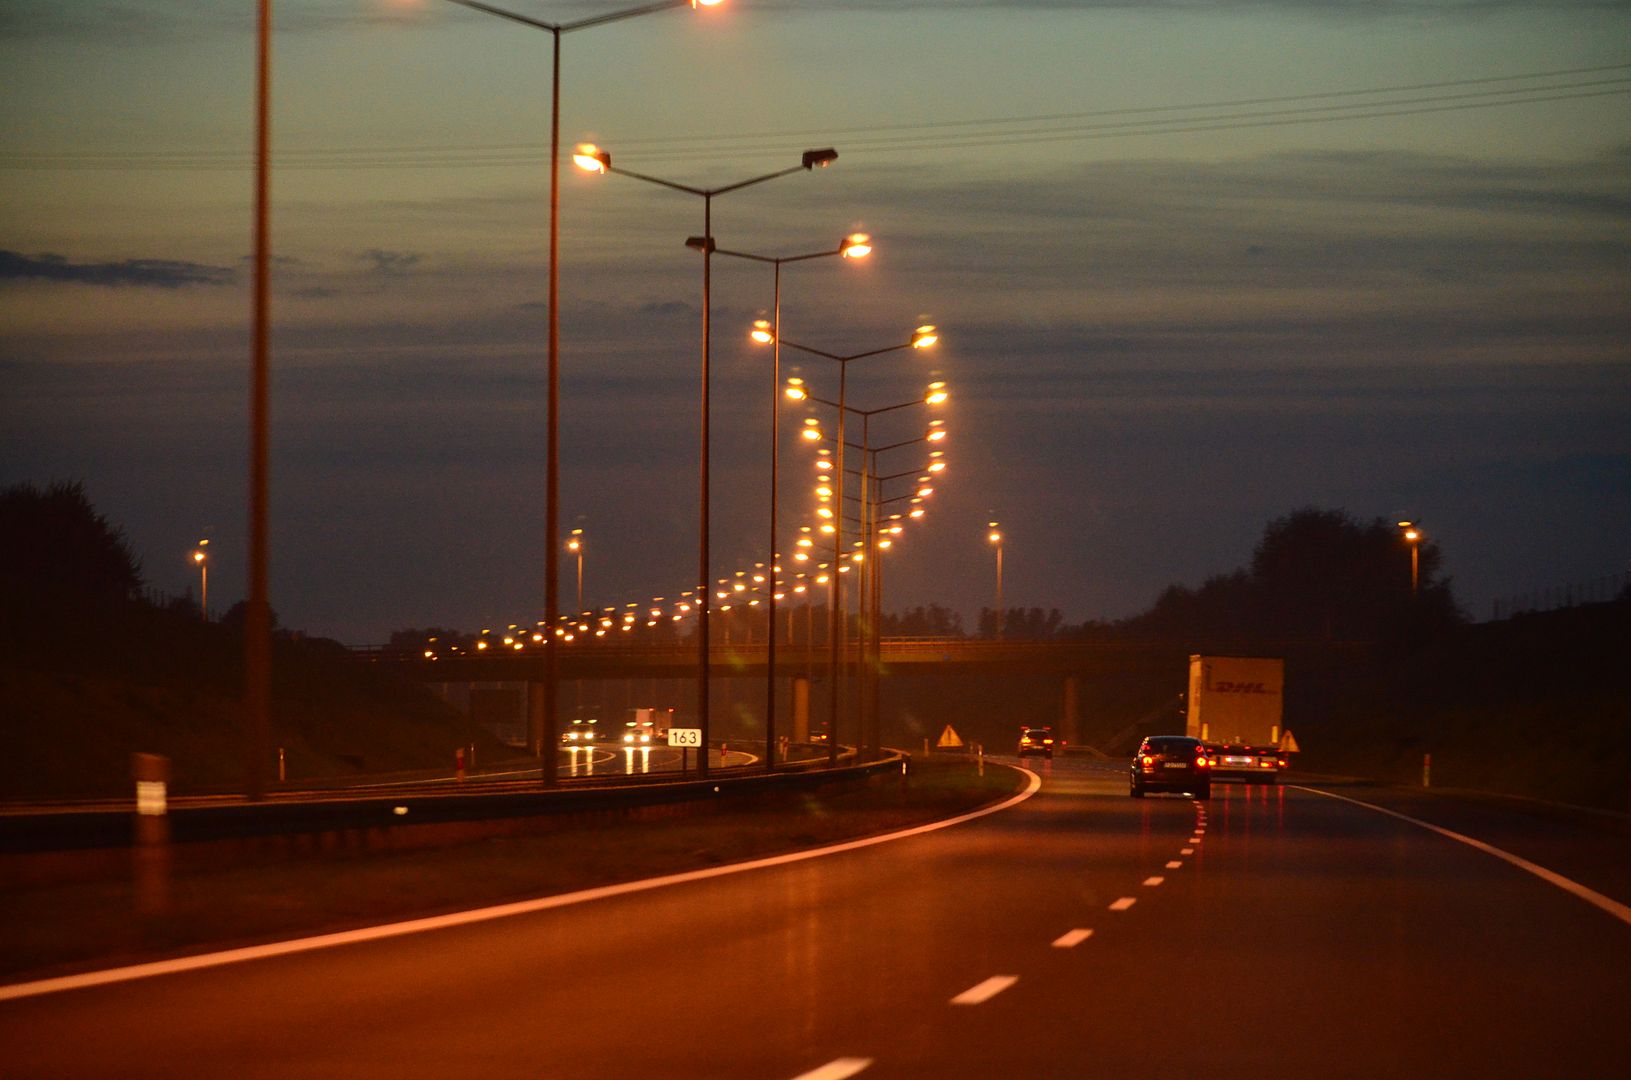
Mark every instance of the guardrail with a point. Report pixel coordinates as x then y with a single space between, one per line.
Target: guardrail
370 820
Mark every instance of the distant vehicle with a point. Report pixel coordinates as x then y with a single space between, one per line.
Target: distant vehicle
642 728
1037 740
579 733
1235 708
1171 763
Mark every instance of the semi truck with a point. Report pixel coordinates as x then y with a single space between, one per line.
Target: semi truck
1235 707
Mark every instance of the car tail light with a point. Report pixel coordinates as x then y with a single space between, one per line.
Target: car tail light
1284 763
1146 760
1047 742
1202 763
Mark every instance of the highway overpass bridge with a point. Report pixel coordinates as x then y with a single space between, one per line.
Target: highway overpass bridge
1089 691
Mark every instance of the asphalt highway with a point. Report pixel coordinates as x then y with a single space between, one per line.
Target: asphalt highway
1078 933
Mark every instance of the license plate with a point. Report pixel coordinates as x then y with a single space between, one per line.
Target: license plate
1239 761
1175 765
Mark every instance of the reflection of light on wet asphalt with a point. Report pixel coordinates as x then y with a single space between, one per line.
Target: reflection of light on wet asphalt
628 759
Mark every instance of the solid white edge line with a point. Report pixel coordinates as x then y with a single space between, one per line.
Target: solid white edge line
475 915
985 991
1071 939
1590 896
836 1069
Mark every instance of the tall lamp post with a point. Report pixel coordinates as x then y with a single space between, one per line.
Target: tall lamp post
547 738
994 538
868 587
854 246
922 338
1411 531
201 560
575 546
592 158
257 607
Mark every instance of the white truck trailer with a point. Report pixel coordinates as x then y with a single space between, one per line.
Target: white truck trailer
1236 705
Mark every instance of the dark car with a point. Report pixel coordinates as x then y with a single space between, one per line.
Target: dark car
1037 740
1171 763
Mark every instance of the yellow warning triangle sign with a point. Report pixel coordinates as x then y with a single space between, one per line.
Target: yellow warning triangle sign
948 738
1288 744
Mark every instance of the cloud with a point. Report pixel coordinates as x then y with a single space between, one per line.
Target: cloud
161 273
392 263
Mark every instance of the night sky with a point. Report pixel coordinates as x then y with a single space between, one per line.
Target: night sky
1196 264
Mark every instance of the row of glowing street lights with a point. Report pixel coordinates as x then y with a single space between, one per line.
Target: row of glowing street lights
258 620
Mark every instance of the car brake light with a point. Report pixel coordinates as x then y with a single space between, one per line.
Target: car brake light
1284 763
1202 763
1047 742
1146 760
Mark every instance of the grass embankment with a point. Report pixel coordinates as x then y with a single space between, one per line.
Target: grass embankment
71 722
50 930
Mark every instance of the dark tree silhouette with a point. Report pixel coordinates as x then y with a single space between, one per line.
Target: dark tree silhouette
60 559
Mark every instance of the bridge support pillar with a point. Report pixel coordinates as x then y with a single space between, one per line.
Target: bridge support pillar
1070 718
801 709
535 717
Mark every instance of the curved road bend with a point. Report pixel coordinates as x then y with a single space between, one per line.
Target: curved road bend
1273 932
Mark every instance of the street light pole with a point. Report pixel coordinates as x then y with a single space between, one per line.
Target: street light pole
1412 535
575 546
593 159
201 557
923 337
258 609
854 246
995 538
546 739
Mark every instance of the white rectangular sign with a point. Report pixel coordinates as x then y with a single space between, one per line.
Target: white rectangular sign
684 736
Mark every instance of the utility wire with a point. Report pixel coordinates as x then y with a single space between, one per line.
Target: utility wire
897 138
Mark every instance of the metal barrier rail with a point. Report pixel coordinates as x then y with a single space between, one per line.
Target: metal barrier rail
114 827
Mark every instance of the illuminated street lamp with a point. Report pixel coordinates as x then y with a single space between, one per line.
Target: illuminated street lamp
994 538
869 588
922 338
201 560
853 247
574 544
547 738
1411 531
593 159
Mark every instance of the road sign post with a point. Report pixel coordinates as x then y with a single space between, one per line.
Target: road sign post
685 738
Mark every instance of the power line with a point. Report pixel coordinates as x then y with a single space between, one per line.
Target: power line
922 136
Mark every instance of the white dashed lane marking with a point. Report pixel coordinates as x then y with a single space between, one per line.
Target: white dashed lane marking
985 991
1072 939
1123 904
1175 864
837 1069
1187 851
1153 881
